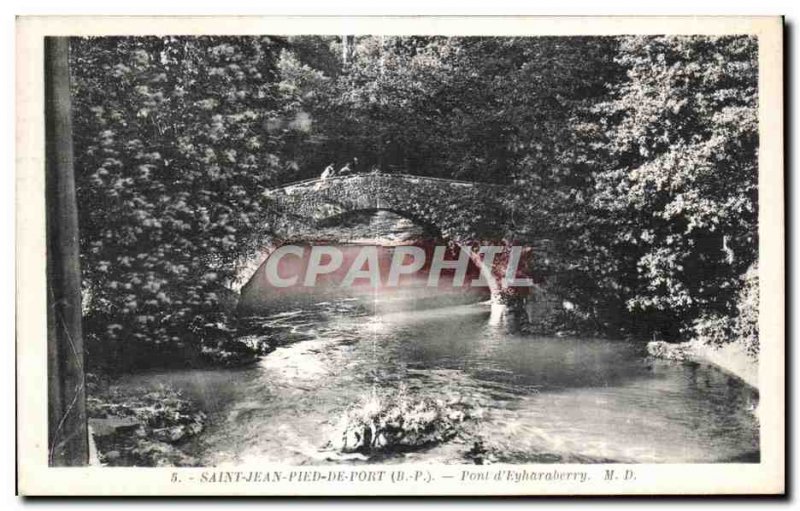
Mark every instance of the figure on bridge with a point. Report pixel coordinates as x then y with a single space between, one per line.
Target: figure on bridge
346 170
349 168
328 172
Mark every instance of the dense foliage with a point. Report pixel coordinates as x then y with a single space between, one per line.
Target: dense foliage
636 156
680 194
475 108
176 138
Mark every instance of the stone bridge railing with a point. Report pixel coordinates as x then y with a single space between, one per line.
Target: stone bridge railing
385 177
455 208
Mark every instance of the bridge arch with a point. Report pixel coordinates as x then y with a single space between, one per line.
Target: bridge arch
458 209
462 213
430 229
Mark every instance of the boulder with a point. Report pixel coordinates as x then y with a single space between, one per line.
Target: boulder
114 426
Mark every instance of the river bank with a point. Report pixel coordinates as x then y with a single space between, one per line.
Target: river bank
141 427
731 358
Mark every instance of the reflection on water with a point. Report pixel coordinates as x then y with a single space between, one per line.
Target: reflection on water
540 398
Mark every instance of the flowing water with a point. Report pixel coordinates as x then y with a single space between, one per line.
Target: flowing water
533 399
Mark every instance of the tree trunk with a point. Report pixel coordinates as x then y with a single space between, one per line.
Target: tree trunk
67 428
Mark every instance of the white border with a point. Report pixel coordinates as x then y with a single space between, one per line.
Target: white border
37 478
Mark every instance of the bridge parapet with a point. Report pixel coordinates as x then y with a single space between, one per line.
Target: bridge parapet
453 207
388 178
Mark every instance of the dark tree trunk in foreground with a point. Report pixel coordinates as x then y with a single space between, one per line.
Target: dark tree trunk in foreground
68 439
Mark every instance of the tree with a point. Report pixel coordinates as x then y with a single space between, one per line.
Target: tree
678 199
176 139
477 108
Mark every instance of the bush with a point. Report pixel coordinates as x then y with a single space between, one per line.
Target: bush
742 326
397 421
172 154
747 306
211 339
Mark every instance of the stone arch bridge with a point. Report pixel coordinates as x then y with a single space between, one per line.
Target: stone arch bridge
460 212
456 209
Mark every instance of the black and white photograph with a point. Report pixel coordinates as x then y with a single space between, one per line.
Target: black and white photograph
512 257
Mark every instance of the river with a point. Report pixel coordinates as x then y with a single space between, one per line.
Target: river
533 399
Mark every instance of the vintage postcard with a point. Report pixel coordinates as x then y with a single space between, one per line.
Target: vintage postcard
400 256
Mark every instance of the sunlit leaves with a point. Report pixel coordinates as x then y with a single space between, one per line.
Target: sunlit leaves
682 137
172 159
